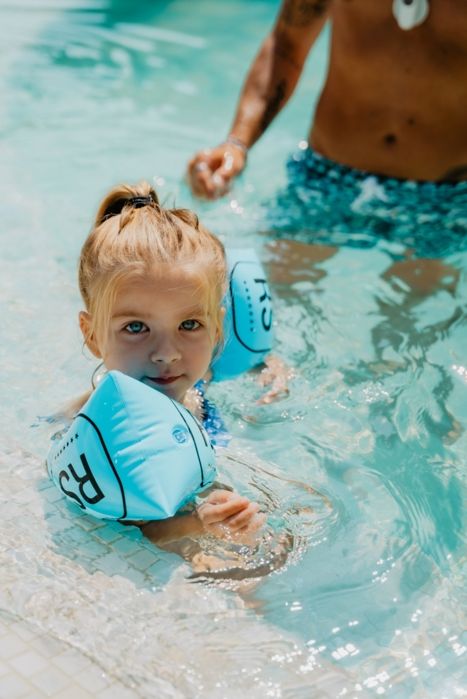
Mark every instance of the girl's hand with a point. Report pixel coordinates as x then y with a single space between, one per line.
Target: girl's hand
229 515
275 374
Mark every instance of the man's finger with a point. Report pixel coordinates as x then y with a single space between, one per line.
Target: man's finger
202 184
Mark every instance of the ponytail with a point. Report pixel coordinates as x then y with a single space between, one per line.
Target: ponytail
126 196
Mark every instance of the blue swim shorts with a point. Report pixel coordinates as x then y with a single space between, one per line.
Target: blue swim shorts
329 203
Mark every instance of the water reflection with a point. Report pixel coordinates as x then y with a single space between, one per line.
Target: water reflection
379 432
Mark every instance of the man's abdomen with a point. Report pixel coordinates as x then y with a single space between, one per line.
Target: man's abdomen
394 102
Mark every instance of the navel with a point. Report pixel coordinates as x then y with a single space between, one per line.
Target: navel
390 139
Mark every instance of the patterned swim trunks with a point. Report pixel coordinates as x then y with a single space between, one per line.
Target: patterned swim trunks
329 203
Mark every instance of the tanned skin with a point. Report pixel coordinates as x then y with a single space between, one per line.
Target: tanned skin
394 101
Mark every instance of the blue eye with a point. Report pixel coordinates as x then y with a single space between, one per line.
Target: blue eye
135 327
190 324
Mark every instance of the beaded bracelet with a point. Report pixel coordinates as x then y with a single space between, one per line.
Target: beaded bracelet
234 141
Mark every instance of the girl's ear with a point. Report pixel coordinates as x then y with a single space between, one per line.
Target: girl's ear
88 336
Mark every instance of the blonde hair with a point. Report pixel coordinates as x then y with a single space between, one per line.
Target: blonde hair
132 233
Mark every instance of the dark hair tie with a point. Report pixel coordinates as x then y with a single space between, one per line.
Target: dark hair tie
115 208
139 202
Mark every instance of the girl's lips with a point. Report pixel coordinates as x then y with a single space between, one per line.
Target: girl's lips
162 381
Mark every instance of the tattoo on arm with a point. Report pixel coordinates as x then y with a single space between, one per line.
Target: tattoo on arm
284 50
300 13
273 105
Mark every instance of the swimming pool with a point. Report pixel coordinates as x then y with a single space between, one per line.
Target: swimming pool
363 464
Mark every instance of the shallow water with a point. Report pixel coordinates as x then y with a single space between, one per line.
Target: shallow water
362 465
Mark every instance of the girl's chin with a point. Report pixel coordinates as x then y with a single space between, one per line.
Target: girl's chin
168 390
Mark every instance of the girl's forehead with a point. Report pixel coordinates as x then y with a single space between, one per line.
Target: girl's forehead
173 285
166 278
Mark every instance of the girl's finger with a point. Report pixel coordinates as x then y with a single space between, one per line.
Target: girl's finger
253 525
243 518
219 496
219 513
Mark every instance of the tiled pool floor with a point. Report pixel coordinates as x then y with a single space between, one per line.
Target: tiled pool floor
35 665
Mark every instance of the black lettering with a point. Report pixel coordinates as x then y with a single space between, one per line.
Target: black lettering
266 323
87 479
266 313
63 475
265 290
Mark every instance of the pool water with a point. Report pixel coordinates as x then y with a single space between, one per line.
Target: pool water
361 467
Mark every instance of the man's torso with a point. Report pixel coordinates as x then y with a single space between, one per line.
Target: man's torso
395 101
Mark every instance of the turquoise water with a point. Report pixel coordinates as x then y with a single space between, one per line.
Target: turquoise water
371 598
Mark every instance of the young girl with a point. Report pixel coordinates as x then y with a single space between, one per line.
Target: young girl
152 280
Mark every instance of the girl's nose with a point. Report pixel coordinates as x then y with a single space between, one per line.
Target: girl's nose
165 353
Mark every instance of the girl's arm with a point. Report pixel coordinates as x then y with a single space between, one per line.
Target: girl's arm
276 374
224 514
166 530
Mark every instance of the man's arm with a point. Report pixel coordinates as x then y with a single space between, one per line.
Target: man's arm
269 84
277 67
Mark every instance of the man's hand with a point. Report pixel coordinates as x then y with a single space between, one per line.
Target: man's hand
210 172
229 515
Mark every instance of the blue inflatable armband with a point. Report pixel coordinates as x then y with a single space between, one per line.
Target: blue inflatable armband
248 318
131 453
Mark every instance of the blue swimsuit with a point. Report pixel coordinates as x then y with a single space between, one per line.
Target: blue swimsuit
212 420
